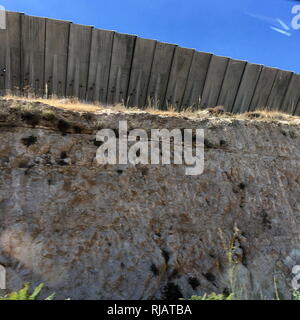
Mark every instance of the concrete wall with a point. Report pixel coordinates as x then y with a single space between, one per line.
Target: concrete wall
46 57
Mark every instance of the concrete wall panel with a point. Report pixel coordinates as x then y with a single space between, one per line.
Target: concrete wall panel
33 55
101 49
292 97
140 72
297 110
121 61
10 54
247 88
263 89
196 80
279 89
56 57
160 73
214 80
178 77
231 84
78 60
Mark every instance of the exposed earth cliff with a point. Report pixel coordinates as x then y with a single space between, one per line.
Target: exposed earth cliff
91 231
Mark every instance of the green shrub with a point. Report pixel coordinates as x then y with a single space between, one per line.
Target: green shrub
24 294
48 115
295 295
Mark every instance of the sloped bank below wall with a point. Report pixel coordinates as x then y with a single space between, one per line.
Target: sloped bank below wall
147 232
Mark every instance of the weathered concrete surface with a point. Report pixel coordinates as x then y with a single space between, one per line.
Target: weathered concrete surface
10 72
140 72
41 57
56 57
179 74
196 80
160 71
111 232
214 80
247 88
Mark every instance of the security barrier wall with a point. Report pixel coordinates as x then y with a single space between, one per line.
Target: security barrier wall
51 58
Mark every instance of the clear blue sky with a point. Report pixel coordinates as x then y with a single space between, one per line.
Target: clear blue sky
236 28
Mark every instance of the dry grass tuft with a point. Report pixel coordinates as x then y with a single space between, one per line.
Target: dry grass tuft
74 104
68 104
266 115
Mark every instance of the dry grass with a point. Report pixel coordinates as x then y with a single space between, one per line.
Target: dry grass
266 115
75 105
68 104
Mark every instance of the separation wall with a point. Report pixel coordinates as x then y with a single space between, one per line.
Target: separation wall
51 58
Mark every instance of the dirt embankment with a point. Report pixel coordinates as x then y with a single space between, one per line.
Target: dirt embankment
95 231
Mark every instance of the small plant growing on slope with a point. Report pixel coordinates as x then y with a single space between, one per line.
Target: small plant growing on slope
24 294
295 295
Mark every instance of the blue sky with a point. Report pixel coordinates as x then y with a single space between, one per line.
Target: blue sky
236 28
